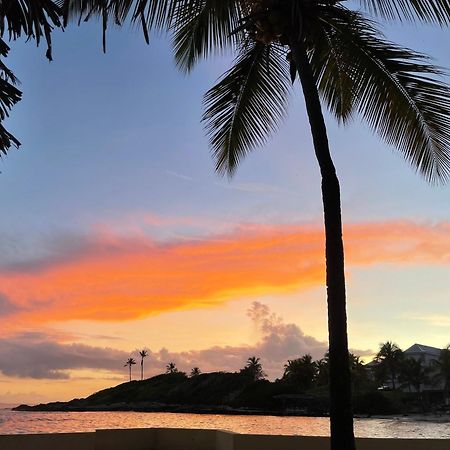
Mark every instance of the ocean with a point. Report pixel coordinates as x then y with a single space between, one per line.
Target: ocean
15 422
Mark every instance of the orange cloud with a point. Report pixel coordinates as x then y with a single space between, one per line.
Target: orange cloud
110 277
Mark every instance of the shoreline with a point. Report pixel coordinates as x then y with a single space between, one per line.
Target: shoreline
225 411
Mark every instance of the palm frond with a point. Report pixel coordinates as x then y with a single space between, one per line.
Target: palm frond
430 11
203 26
247 104
334 82
397 92
9 96
34 19
149 14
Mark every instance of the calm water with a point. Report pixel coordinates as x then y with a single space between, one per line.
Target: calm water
12 422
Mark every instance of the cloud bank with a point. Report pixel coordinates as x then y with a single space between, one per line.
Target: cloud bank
35 355
111 277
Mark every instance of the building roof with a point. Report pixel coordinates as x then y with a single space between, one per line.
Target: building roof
423 350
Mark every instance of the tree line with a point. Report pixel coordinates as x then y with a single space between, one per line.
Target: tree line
391 369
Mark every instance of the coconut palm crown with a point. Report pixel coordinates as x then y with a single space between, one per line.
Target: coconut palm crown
143 354
130 362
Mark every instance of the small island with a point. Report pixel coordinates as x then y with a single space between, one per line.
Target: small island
302 390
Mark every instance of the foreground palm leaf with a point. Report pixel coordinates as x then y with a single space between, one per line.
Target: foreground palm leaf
247 104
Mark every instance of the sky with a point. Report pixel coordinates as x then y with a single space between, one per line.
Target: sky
116 234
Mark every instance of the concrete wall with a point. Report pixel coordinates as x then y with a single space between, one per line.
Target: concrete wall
56 441
189 439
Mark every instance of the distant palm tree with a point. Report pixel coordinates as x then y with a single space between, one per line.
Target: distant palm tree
143 354
443 370
389 359
323 371
413 372
301 371
130 362
171 368
254 369
195 372
358 371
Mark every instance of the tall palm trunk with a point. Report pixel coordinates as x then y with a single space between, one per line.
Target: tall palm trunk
341 415
142 369
130 372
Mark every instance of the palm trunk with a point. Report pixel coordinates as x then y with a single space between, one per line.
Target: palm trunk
341 415
130 372
142 369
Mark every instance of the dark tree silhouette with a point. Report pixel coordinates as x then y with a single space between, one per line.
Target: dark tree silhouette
253 369
301 371
443 370
389 359
143 354
130 362
171 368
358 372
323 371
195 372
413 373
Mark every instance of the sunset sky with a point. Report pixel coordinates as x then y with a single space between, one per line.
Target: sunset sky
117 235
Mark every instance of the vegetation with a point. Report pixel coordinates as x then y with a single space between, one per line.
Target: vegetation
303 389
130 362
253 369
389 360
443 370
171 368
143 354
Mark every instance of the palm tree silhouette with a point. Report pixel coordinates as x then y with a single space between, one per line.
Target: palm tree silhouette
130 362
336 53
195 372
143 354
301 371
443 371
171 368
389 358
254 369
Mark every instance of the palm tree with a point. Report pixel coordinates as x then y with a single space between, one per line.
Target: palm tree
253 369
443 370
195 372
130 362
301 371
414 373
389 359
323 371
337 54
143 354
358 371
171 368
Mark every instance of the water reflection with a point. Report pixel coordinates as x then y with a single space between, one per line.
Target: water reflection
12 422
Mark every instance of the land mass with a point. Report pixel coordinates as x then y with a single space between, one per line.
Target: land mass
217 392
